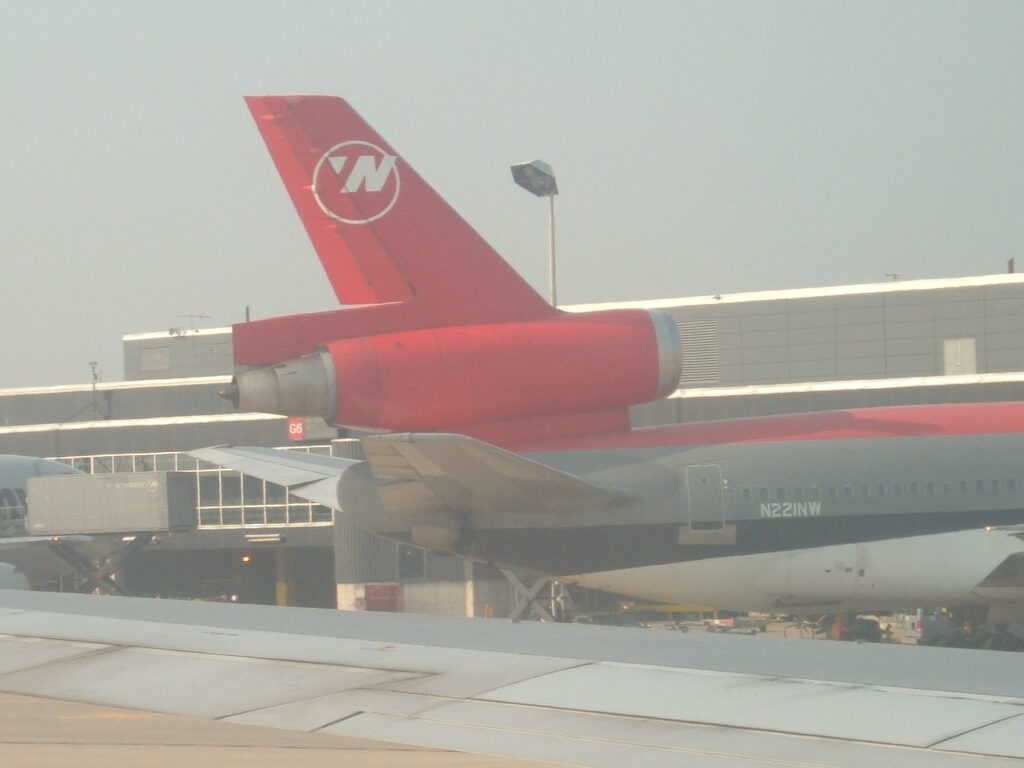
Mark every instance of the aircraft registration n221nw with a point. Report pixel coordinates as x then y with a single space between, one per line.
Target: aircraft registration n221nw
510 440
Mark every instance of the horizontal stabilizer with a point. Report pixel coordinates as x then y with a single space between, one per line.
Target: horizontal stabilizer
459 473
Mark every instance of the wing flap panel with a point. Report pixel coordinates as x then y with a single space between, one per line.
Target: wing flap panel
168 681
314 714
522 745
603 741
18 653
1002 738
812 708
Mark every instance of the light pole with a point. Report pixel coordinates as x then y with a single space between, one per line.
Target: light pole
538 178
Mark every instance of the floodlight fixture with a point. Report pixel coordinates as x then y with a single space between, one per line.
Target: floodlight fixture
537 178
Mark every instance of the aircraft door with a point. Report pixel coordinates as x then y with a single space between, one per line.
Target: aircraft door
704 496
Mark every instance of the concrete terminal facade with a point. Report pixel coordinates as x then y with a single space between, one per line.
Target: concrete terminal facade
901 342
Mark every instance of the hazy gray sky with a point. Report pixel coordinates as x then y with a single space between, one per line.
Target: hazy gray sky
700 147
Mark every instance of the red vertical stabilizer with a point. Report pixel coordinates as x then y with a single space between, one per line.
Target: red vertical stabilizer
381 232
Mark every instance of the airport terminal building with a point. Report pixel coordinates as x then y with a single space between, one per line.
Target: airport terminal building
900 342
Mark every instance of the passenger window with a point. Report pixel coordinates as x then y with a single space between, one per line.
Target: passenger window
880 490
929 488
979 486
831 493
748 495
864 491
897 489
764 494
995 486
1011 485
798 494
815 493
913 488
847 492
947 488
780 494
964 487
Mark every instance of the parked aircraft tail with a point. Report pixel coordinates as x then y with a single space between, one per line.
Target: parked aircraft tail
446 336
381 232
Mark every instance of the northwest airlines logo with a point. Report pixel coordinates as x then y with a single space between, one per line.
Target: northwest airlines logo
356 182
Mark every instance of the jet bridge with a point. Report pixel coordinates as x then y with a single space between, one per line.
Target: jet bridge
125 510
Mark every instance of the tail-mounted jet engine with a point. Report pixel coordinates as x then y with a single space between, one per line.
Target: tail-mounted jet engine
443 378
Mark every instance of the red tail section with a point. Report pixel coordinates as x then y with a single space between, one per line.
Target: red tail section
448 337
382 234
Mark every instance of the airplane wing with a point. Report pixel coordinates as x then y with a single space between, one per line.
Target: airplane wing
307 475
465 474
570 694
428 472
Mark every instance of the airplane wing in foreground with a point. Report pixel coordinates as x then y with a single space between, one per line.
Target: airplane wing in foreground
579 695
